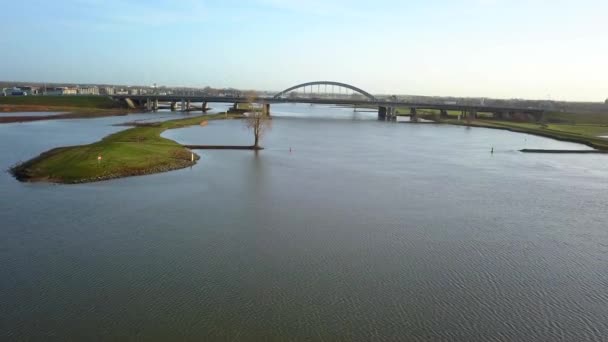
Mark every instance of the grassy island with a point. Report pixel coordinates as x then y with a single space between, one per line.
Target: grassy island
136 151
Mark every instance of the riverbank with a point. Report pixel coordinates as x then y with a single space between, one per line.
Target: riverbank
136 151
66 113
581 128
70 107
545 151
71 101
586 134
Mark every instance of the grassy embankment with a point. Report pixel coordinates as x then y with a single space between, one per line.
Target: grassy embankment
65 101
581 128
72 106
135 151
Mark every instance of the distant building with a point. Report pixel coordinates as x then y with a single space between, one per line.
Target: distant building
69 91
106 91
18 92
134 91
51 91
61 91
88 91
30 90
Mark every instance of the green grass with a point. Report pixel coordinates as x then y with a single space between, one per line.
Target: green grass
584 134
577 118
584 128
98 102
135 151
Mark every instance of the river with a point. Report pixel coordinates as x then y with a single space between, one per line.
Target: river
343 228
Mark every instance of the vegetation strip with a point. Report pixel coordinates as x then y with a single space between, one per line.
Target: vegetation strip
532 150
539 130
72 107
76 101
582 128
71 115
135 151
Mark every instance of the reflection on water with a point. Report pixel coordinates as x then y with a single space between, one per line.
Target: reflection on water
365 230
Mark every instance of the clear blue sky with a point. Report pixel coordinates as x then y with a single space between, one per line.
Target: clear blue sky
493 48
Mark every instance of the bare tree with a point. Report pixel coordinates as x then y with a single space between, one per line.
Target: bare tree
257 120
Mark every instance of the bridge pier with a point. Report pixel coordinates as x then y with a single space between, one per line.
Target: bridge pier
173 106
148 104
188 105
130 103
413 115
381 113
205 108
183 107
443 113
266 109
471 114
390 114
540 117
155 105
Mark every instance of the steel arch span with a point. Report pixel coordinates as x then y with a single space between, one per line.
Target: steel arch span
338 84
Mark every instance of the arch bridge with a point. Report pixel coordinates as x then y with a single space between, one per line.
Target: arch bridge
326 94
322 89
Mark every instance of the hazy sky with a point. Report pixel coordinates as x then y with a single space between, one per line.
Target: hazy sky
495 48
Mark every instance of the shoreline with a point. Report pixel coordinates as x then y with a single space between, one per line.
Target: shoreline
21 174
92 112
551 151
63 113
140 150
599 145
136 151
65 107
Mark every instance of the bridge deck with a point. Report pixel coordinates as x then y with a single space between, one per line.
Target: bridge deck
377 103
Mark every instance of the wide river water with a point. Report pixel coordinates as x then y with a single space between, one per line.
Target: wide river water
365 230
